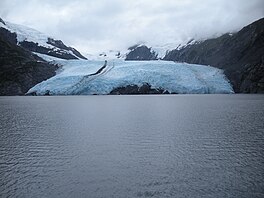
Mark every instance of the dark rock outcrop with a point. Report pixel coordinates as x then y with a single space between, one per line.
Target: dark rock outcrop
136 90
141 53
34 47
2 21
20 69
240 55
59 53
59 44
8 36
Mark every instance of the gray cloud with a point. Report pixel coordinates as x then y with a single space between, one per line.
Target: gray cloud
116 24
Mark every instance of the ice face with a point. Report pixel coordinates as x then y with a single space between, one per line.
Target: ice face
182 78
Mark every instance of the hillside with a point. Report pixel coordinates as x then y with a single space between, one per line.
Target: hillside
240 55
20 69
36 41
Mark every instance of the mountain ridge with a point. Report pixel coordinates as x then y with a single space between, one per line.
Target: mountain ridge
240 55
36 41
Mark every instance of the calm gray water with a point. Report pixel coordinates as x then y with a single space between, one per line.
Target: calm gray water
132 146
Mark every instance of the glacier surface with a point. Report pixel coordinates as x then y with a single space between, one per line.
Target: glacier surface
77 77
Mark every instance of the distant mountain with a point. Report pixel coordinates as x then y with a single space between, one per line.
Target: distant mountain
240 55
141 52
19 68
36 41
146 51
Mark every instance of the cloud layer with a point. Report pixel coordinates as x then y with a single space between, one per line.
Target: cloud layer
98 25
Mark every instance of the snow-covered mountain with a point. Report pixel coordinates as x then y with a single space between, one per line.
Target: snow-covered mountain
96 77
36 41
140 51
146 51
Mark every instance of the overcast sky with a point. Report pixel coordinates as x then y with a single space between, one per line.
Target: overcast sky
98 25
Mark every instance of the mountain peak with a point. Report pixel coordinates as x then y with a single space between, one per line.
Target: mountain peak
141 52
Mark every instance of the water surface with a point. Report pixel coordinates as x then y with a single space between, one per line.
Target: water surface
132 146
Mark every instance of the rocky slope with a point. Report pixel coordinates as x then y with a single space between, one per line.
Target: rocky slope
240 55
35 41
141 52
19 68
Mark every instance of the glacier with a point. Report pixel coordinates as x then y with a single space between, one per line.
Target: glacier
78 77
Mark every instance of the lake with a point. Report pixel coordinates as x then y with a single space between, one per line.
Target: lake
132 146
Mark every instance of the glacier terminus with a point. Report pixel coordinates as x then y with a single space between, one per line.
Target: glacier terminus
96 77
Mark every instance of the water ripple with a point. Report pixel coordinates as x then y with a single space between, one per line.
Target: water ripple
132 146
